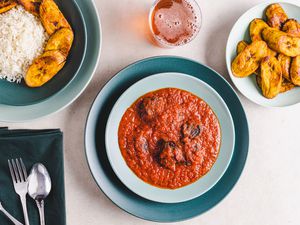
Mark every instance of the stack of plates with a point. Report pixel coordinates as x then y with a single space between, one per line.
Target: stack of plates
109 168
20 103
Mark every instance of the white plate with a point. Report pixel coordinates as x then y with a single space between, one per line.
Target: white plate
184 82
240 31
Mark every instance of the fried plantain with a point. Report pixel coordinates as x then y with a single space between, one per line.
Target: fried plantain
270 52
248 61
285 62
295 71
61 40
51 17
292 27
44 68
241 46
258 81
256 27
286 85
32 6
6 5
271 77
281 42
276 16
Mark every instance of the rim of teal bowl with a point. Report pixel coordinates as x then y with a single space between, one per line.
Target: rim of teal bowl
227 192
75 74
78 69
81 62
78 93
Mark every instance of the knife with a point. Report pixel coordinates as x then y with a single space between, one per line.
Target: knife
16 222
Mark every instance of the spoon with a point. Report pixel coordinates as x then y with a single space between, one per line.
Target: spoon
39 186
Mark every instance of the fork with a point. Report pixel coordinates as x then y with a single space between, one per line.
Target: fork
16 222
19 177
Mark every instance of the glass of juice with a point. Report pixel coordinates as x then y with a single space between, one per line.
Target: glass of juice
174 22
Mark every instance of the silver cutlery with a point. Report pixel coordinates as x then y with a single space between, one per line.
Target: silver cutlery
19 177
16 222
39 187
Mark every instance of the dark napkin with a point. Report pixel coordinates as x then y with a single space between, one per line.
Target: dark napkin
44 146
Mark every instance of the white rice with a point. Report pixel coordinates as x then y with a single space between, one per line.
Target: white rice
22 39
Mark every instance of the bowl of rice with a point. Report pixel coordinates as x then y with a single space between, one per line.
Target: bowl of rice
22 39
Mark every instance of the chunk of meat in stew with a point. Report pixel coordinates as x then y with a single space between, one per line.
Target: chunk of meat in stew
151 107
171 155
190 130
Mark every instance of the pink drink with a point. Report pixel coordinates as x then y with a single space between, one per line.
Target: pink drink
175 22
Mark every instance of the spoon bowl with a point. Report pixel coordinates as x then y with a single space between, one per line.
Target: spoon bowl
39 187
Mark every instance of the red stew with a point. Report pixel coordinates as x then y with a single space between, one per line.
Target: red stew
169 138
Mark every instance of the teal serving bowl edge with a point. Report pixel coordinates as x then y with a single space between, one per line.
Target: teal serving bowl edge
13 94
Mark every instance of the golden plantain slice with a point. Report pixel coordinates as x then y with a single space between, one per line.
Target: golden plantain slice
61 40
292 27
6 5
285 62
270 52
44 68
247 62
271 77
51 17
295 71
241 46
258 81
256 27
276 16
286 85
32 6
282 42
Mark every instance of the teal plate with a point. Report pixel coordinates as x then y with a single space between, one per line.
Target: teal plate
21 95
100 167
76 86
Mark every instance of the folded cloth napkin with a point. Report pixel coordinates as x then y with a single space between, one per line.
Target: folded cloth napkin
33 146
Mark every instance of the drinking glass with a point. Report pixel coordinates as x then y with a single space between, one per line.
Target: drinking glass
174 22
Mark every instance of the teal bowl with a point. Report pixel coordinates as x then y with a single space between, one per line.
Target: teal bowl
21 95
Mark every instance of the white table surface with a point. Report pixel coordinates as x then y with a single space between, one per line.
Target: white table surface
268 191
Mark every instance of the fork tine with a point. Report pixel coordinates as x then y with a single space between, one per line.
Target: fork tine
20 171
15 170
11 172
24 169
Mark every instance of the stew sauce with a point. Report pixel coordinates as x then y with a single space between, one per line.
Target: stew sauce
169 138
